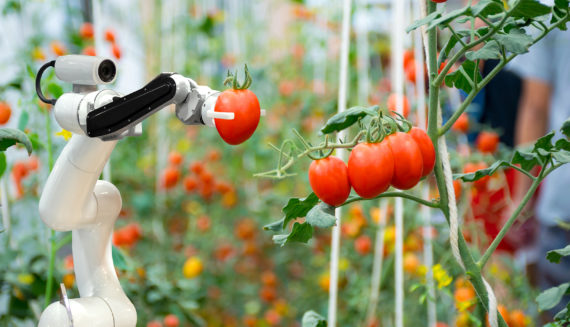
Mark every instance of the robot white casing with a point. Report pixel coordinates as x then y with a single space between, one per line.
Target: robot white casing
74 199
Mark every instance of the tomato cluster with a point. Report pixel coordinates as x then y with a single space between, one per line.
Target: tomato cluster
199 178
87 33
400 160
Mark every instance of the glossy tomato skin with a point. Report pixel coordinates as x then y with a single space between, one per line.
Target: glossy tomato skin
329 180
370 168
408 162
245 106
426 147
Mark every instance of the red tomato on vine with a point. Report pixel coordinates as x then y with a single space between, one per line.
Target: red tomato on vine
89 51
461 124
175 158
408 162
171 321
245 106
329 180
5 112
170 177
363 245
487 142
370 168
86 31
110 35
426 147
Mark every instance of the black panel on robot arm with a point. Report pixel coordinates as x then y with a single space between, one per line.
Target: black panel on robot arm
131 109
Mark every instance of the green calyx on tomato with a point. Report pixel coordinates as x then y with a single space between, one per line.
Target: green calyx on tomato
232 81
243 104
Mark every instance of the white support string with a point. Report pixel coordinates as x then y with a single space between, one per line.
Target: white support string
454 224
342 95
397 46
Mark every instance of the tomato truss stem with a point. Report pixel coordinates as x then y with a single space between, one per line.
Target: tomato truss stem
395 194
281 170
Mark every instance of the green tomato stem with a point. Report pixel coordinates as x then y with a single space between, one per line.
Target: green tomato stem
472 269
395 194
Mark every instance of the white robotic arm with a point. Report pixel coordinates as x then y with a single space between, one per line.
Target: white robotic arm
74 199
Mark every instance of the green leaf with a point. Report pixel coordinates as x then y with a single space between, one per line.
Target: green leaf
491 50
487 7
313 319
453 41
10 136
556 255
471 177
35 140
563 314
528 9
527 160
345 119
566 128
55 90
2 163
275 226
562 144
119 259
447 18
321 215
562 156
558 12
301 233
296 208
458 80
544 143
517 41
551 297
427 19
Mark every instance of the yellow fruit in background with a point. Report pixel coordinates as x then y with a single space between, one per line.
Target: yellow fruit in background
26 279
38 54
68 280
324 281
192 267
